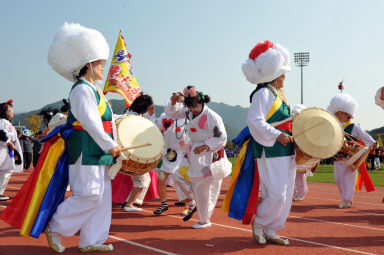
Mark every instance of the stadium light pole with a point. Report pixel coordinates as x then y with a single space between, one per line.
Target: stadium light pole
301 59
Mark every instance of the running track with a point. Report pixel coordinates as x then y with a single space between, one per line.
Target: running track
315 226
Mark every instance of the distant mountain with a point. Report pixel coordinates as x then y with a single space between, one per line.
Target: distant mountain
234 117
377 133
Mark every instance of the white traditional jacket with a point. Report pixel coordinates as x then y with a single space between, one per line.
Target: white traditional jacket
205 129
6 161
174 132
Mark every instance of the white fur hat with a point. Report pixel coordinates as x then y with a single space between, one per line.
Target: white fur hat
344 103
266 62
74 46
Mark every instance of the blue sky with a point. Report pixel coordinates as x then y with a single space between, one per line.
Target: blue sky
178 43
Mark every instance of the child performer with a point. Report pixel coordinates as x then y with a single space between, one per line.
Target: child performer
48 114
174 135
142 105
9 148
269 161
207 138
59 118
79 54
344 107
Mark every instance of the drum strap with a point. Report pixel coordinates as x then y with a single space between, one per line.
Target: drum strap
348 126
107 125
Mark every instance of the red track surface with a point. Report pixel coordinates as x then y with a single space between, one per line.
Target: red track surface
315 226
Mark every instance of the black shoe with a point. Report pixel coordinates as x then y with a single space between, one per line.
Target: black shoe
180 203
124 204
161 209
190 214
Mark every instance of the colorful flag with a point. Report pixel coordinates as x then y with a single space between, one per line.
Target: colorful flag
120 76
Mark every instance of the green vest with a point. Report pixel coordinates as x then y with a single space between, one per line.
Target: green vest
348 129
81 142
277 150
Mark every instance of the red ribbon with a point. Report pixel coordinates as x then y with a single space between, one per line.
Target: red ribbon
107 125
10 101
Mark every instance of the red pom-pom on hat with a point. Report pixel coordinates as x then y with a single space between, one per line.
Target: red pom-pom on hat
10 101
260 48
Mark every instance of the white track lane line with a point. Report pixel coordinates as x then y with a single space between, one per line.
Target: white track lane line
362 194
336 223
295 239
345 210
142 245
332 199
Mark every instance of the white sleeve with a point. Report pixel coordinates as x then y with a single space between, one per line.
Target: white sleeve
117 116
84 108
150 117
363 135
219 138
261 131
176 111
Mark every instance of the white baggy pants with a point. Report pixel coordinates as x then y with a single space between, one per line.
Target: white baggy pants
301 187
5 176
345 180
89 209
183 187
206 194
277 180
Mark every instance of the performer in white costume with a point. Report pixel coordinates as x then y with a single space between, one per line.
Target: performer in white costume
48 114
10 150
59 118
143 106
345 109
79 54
273 147
174 136
207 138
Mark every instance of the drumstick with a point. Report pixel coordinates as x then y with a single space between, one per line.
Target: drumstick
305 130
136 146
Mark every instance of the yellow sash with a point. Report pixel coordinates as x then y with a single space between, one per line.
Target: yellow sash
101 107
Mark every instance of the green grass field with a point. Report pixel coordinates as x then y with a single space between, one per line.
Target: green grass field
325 174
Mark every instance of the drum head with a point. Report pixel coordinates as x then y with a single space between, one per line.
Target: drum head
134 130
318 133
